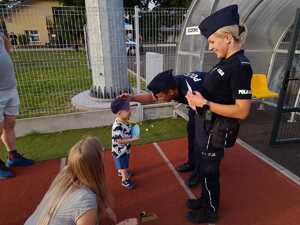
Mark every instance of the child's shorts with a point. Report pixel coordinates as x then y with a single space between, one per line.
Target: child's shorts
122 162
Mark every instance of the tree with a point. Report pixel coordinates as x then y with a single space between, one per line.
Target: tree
127 3
141 3
23 39
174 3
67 26
158 3
73 2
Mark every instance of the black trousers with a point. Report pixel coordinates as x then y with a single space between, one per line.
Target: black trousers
210 183
191 137
209 162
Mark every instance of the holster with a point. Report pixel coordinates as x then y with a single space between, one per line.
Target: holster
223 131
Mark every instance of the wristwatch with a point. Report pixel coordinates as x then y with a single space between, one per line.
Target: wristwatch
206 105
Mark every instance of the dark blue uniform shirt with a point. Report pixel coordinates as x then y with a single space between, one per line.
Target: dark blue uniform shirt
195 80
229 80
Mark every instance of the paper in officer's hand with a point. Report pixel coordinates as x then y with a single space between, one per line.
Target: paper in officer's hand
190 91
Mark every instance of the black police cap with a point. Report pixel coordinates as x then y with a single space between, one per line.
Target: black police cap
162 82
224 17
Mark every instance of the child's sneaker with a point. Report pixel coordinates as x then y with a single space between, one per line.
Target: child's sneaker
129 174
5 172
18 160
128 184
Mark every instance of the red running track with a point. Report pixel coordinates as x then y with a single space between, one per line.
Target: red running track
253 193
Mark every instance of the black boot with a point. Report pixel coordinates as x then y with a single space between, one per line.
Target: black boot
196 203
186 167
202 216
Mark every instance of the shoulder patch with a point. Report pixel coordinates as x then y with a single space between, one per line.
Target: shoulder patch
194 76
244 92
221 72
245 63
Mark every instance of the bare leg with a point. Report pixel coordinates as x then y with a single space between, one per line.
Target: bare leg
8 135
5 172
124 174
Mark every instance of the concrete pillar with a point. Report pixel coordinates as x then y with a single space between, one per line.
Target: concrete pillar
106 45
154 65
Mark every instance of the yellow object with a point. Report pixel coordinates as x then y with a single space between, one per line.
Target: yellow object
259 87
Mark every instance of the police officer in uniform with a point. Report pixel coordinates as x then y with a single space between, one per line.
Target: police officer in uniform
167 87
226 98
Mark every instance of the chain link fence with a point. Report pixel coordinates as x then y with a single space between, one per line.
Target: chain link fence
50 54
159 32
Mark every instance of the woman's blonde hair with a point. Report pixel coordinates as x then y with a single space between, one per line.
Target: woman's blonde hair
238 32
84 168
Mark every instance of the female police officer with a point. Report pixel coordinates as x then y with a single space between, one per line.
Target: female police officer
225 99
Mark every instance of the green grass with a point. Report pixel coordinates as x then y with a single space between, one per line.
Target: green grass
47 80
56 145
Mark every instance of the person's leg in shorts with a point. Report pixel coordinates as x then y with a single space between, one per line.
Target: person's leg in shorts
8 137
122 165
5 172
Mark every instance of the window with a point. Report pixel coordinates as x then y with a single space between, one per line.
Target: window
33 36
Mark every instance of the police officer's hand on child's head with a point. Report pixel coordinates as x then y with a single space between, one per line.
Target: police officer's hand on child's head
125 96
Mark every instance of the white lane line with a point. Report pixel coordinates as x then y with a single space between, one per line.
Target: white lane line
172 168
293 177
188 191
62 163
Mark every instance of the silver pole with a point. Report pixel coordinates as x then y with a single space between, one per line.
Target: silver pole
138 60
137 49
106 43
87 50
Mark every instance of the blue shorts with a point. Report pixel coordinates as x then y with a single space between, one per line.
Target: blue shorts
122 162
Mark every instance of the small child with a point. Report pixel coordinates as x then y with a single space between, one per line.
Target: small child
121 139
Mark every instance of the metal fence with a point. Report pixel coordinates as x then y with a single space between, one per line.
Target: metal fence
51 57
158 31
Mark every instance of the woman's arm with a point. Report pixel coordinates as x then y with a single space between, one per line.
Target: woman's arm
240 110
88 218
111 214
132 221
113 217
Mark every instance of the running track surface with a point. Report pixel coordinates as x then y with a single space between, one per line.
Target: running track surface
253 193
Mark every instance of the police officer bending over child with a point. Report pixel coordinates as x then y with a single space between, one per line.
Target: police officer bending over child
167 87
224 100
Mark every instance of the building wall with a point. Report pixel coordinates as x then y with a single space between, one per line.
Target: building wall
32 17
